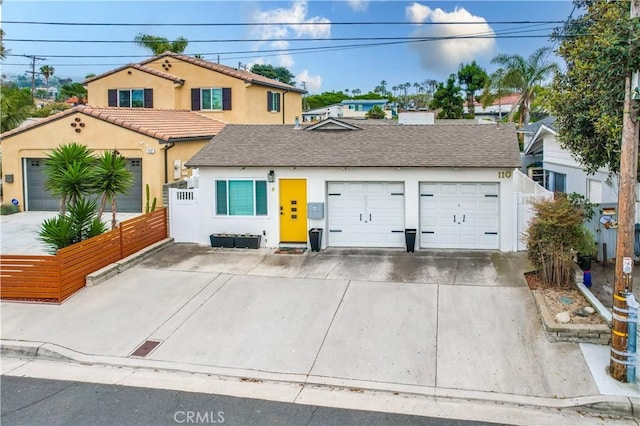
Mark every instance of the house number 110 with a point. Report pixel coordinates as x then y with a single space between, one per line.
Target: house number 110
504 175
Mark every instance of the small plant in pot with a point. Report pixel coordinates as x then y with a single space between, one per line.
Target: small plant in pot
586 247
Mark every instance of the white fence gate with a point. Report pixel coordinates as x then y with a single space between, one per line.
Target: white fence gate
183 215
526 193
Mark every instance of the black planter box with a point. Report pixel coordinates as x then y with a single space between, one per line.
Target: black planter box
219 240
247 241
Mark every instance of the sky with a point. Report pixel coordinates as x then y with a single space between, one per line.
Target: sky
330 45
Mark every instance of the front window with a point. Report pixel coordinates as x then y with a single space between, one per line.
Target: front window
241 197
556 182
131 98
211 99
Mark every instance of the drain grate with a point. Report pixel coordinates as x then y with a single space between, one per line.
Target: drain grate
145 349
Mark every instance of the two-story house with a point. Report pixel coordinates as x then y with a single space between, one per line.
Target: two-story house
158 113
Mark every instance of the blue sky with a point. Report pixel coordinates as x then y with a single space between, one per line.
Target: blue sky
338 68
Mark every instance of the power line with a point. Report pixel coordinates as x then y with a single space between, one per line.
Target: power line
256 24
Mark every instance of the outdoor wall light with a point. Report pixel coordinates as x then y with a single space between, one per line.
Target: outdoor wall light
271 176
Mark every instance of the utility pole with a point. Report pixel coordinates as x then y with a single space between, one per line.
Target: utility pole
623 283
33 73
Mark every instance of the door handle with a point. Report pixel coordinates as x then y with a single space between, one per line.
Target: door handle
360 217
369 217
281 211
463 217
454 218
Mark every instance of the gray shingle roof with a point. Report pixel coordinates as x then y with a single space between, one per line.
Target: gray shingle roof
374 146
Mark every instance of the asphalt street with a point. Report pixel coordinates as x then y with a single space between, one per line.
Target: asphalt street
28 401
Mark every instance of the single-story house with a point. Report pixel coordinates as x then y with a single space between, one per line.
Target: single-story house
155 142
349 108
363 184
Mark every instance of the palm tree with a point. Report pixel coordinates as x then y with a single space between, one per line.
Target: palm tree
68 170
494 90
356 92
111 177
523 76
47 71
158 45
3 51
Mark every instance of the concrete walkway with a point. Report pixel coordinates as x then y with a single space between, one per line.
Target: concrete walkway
449 327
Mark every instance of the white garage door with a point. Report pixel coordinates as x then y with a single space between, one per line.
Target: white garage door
459 215
366 214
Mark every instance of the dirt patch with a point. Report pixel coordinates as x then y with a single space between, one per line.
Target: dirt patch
559 299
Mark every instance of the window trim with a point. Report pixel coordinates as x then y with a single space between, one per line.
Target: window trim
254 197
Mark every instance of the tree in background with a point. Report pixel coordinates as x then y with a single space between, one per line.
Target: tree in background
74 89
447 99
3 51
158 45
376 112
47 71
472 78
281 74
494 90
15 106
588 98
523 76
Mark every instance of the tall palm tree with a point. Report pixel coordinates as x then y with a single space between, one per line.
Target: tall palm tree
111 177
495 90
68 170
158 45
356 92
47 71
523 76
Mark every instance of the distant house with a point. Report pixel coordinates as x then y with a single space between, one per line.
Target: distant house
498 109
156 144
350 108
553 167
362 182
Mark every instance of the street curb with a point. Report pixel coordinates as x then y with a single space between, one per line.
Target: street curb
599 404
113 269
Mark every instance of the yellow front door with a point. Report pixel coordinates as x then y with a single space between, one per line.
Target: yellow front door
293 210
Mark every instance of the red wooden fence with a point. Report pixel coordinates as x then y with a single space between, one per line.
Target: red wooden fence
55 278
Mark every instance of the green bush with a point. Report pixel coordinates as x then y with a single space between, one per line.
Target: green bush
553 237
8 209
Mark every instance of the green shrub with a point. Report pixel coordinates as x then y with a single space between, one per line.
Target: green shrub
8 209
553 236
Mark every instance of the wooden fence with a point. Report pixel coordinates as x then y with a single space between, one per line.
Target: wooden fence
55 278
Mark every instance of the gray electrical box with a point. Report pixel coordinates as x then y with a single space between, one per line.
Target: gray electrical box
315 210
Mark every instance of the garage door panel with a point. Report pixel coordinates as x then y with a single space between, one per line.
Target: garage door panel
458 215
366 214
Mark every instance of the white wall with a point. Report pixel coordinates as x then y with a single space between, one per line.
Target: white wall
317 179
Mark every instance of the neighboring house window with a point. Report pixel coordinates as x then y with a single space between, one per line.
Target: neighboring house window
556 182
241 197
130 98
594 191
211 99
273 101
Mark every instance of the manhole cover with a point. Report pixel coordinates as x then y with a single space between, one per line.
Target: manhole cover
145 348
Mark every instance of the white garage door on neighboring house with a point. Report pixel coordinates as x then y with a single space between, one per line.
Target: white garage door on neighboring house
459 215
365 214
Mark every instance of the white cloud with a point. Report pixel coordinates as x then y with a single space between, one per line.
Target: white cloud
445 55
313 82
358 5
296 14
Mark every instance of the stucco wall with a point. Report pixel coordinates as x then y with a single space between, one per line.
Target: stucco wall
317 179
163 89
248 101
97 135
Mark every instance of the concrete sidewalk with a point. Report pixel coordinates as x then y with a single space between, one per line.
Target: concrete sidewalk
448 327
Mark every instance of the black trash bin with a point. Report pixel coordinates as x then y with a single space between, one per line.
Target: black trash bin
315 238
410 239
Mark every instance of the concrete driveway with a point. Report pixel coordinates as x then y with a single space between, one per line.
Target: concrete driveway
381 319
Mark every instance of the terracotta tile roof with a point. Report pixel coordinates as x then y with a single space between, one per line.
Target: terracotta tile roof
478 145
505 100
247 76
138 67
162 124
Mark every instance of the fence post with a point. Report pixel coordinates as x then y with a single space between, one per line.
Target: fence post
166 227
121 242
59 261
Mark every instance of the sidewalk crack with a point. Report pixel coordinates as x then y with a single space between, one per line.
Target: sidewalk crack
313 413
